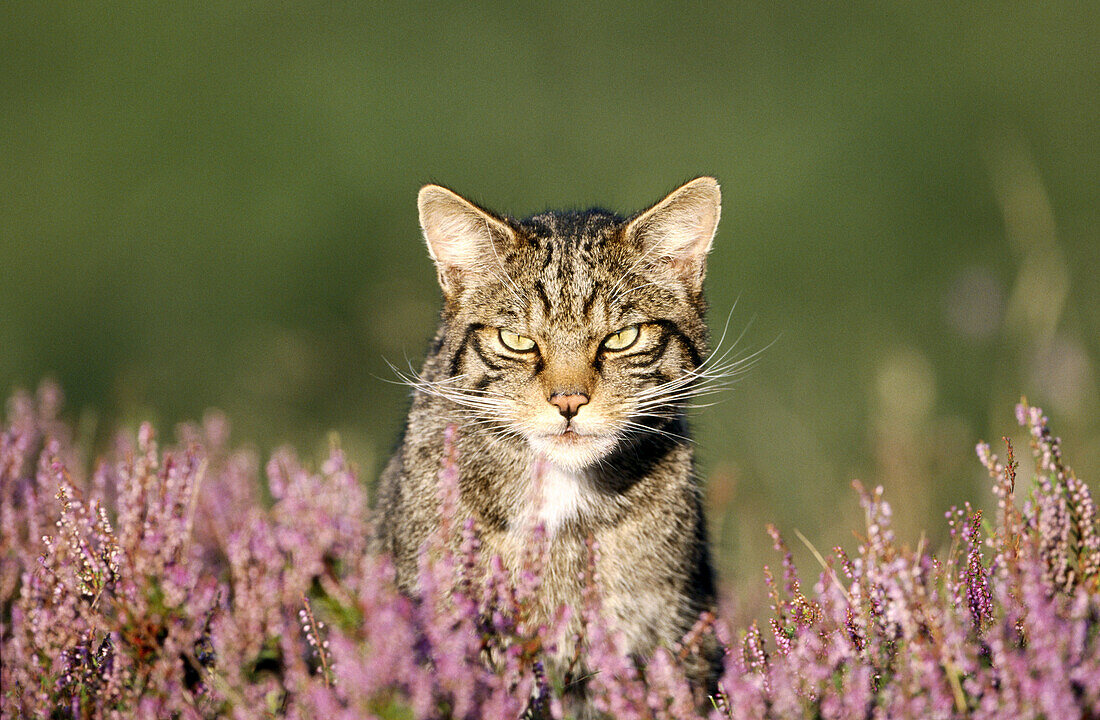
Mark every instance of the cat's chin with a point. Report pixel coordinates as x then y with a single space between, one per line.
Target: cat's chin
572 450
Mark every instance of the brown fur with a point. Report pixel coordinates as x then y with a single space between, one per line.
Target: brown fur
567 281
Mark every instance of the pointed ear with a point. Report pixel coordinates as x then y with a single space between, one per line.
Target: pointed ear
463 239
677 232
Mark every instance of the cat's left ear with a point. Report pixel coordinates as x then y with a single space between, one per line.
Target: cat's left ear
678 231
463 240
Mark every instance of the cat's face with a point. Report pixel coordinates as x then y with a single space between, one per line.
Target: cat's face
574 332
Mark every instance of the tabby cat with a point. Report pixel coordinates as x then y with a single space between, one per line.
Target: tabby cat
569 345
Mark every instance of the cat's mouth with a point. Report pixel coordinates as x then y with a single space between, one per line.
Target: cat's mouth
570 447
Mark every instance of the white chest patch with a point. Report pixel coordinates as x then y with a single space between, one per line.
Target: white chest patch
559 495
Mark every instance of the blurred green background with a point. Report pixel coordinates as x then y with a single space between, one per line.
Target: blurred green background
213 205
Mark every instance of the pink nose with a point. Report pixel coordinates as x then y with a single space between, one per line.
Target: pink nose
568 405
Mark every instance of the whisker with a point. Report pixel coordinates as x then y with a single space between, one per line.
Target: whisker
642 428
675 398
710 373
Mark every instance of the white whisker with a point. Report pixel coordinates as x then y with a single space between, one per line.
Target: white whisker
491 403
714 375
642 428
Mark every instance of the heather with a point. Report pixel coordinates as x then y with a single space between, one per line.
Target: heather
184 579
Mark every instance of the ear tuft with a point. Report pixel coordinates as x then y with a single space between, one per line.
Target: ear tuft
679 230
460 235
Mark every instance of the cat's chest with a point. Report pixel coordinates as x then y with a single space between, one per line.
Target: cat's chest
559 495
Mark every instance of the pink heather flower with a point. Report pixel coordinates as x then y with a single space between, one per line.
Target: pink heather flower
978 597
161 584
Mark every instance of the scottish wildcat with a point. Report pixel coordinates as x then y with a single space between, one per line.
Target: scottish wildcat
569 344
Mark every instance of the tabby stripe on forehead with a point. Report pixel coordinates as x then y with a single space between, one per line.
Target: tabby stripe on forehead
541 290
588 303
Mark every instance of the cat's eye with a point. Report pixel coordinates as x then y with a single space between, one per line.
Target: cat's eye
516 342
621 339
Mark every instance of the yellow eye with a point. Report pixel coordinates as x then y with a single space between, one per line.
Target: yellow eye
516 342
621 339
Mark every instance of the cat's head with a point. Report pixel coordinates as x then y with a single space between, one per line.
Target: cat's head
572 331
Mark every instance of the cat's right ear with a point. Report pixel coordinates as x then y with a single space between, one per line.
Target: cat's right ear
463 239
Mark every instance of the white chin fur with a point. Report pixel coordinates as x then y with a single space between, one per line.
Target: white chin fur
574 452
